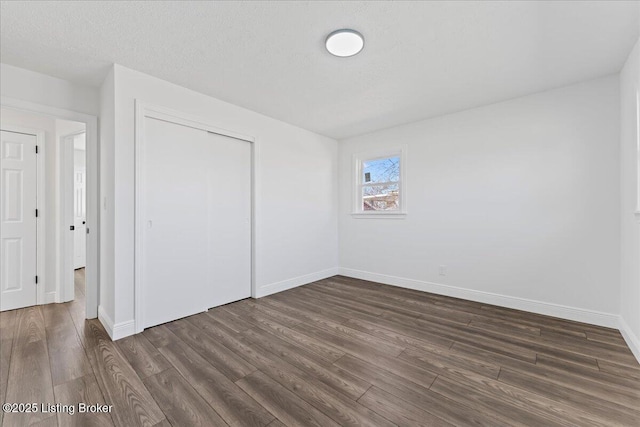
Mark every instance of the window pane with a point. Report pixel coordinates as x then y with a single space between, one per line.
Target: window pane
381 170
380 197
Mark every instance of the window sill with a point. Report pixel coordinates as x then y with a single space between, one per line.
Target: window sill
379 215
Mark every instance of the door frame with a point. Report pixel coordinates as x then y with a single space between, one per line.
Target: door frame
93 206
145 110
41 233
66 171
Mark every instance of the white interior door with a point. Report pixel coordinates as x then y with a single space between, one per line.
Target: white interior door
18 225
79 218
197 221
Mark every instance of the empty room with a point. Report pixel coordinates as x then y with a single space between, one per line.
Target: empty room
320 213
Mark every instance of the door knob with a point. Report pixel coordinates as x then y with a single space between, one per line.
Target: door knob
72 227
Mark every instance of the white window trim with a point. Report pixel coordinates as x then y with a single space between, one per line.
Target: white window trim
358 159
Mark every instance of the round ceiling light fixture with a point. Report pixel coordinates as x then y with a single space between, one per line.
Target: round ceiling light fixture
344 43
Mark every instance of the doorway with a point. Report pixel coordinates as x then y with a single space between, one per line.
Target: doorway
50 125
73 177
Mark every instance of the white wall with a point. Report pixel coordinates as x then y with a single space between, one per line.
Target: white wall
630 200
31 86
520 200
296 212
66 127
50 209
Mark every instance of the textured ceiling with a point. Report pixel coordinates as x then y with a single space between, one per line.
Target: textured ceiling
421 59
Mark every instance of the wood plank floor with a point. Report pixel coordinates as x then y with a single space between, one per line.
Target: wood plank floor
339 351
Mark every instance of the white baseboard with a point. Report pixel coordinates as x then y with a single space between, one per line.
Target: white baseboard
51 297
276 287
633 341
106 321
117 331
123 329
556 310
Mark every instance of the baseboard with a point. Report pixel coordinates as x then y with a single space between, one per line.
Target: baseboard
549 309
123 329
276 287
106 321
118 330
633 341
51 297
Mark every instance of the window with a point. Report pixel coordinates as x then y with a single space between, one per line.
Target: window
379 185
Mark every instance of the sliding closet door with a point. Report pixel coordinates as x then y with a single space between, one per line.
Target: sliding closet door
197 225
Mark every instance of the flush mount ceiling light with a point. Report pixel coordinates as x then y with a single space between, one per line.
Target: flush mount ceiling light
344 43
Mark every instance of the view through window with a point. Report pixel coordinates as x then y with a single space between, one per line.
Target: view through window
380 184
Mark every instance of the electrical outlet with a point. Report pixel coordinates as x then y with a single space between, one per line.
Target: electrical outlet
443 270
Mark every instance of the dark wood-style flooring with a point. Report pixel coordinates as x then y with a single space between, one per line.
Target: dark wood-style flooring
336 352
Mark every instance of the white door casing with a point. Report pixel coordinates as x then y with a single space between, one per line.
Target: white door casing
196 229
18 222
79 218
